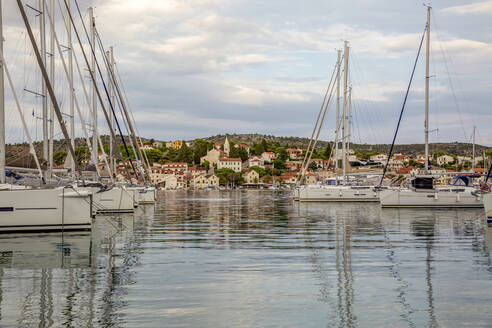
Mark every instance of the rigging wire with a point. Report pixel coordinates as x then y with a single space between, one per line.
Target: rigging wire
403 106
451 85
120 105
102 80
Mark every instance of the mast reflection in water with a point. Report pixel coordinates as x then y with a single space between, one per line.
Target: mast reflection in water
253 259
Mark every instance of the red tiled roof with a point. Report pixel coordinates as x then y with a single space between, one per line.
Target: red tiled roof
230 159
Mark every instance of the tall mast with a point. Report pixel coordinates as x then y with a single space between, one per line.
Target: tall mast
94 98
70 85
344 125
133 135
44 98
2 106
339 63
349 118
427 58
51 122
473 151
112 164
46 79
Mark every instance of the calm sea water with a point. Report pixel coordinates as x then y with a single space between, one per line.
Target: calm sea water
253 259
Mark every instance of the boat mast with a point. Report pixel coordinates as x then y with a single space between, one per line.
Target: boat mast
473 150
110 56
2 106
44 97
426 124
349 118
337 122
44 74
95 153
51 122
344 125
70 84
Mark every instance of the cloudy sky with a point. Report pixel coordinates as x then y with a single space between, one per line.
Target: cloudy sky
194 68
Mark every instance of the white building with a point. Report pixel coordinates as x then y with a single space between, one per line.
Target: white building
251 177
205 181
381 158
444 159
463 159
229 163
269 156
256 161
213 156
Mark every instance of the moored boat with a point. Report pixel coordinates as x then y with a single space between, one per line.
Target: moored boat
424 194
63 208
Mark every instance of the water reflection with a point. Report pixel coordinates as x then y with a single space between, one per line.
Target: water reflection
68 279
253 259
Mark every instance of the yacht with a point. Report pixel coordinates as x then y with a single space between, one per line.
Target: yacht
143 195
324 193
423 193
62 208
111 199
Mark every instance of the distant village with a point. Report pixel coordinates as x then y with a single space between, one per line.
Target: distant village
201 164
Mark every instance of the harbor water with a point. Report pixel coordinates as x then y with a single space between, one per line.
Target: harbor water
253 259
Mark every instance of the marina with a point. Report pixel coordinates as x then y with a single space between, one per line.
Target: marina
248 258
159 166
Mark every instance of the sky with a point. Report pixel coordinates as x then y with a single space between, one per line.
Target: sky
195 68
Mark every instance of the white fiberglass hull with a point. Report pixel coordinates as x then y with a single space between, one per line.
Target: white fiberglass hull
487 203
114 200
144 195
45 209
448 198
336 194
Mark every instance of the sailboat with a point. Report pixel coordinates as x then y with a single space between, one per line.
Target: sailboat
112 198
31 209
423 191
342 192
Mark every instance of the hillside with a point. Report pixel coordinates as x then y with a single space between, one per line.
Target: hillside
457 148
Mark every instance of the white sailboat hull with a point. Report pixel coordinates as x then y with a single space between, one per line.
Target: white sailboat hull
465 198
487 204
337 194
114 200
45 210
144 195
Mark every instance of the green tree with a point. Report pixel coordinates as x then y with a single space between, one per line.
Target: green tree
82 153
185 154
279 164
259 148
239 153
313 166
154 155
261 171
106 149
282 154
59 157
124 154
200 149
225 175
171 155
206 165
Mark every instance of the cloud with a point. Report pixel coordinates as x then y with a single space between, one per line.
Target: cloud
243 95
484 7
198 67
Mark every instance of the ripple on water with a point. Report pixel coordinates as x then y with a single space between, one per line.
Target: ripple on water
253 259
